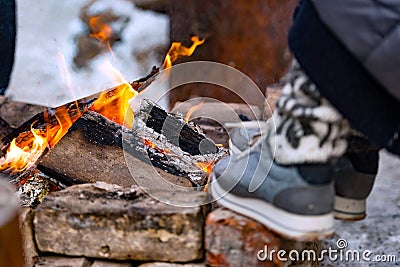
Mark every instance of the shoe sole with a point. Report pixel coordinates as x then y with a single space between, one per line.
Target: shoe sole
349 209
286 224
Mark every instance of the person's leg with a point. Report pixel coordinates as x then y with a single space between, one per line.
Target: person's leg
308 128
291 191
7 43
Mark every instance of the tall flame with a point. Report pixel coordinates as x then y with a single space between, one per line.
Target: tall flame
177 50
114 104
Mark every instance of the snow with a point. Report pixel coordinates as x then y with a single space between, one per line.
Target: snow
43 70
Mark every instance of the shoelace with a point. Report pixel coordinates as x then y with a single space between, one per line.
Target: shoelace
258 138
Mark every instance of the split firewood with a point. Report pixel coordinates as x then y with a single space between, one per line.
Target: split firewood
92 151
50 119
95 139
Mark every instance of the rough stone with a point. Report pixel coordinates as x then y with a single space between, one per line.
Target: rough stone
110 264
107 221
56 261
28 243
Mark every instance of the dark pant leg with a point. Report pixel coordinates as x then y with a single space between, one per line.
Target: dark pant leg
7 41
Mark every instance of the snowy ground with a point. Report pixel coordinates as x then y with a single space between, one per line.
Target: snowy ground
45 38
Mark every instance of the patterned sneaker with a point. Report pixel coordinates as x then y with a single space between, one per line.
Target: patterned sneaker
356 169
294 201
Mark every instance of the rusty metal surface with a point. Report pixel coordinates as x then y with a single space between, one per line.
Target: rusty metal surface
248 35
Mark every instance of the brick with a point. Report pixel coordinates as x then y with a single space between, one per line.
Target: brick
107 221
234 240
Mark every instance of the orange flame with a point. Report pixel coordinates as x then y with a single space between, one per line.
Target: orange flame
177 50
100 30
193 109
114 104
27 147
205 166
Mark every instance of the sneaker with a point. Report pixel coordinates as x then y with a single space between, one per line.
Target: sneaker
353 170
354 176
295 201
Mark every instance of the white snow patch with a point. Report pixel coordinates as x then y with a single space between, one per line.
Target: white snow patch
46 31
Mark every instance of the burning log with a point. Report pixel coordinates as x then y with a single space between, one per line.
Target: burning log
26 146
15 113
30 141
97 140
175 129
92 151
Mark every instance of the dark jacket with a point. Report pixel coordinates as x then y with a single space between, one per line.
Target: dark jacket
7 41
351 50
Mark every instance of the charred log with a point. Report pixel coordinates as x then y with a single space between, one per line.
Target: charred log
175 129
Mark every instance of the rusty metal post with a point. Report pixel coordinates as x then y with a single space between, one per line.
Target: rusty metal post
248 35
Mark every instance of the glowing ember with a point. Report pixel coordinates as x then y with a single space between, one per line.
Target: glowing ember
207 168
27 147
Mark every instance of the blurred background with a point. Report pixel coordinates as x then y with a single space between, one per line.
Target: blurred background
62 46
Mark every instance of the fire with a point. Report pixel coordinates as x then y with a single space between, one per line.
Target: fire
27 147
114 104
24 151
193 109
177 50
150 144
100 30
205 166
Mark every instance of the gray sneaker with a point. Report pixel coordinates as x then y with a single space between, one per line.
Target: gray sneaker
294 201
355 170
